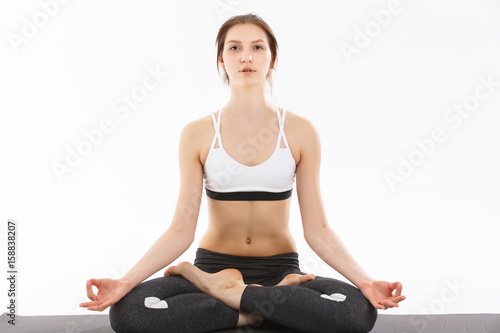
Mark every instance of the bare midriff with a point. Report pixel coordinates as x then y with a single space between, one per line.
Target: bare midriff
248 228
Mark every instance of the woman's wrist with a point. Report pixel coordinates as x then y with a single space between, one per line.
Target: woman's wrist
365 283
128 282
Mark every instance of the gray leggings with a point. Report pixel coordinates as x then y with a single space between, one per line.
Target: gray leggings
173 304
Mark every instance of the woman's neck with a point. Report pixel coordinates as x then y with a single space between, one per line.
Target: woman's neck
249 104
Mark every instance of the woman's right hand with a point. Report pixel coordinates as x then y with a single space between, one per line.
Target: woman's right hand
109 292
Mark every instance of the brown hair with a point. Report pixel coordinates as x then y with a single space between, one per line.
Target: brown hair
247 18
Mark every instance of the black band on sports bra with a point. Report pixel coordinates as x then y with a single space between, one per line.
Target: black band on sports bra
249 196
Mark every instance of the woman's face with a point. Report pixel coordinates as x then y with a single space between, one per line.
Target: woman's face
246 46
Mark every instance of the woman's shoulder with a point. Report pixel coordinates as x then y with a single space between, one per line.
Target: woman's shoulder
301 134
197 132
200 124
294 122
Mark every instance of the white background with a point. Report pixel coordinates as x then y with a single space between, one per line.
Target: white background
436 232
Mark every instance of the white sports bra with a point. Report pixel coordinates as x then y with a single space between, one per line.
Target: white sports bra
226 179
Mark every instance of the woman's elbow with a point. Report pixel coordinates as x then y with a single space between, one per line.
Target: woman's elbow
183 231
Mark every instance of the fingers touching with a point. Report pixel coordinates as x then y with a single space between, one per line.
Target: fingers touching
90 292
394 299
398 286
95 304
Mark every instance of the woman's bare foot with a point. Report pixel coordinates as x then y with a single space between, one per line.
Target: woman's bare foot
296 279
226 285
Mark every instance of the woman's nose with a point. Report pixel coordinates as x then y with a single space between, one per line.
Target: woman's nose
246 57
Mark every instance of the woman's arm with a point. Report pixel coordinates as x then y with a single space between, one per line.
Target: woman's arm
165 250
174 241
328 246
180 234
317 233
320 236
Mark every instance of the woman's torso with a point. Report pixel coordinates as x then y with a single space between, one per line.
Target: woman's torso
248 228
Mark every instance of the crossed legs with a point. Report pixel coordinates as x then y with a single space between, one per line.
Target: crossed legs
188 299
304 302
228 286
175 304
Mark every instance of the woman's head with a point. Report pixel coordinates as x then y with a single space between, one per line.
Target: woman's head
242 31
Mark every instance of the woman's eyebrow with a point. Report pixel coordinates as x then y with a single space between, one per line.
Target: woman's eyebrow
238 42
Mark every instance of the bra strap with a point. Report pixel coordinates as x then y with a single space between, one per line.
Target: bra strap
218 121
281 121
217 128
214 121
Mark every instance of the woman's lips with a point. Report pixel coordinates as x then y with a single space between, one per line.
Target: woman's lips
247 72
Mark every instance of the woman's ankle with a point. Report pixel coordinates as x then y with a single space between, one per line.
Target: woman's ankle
248 319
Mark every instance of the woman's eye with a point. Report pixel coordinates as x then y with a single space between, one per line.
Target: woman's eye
261 47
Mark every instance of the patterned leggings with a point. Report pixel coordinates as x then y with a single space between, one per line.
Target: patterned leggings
173 304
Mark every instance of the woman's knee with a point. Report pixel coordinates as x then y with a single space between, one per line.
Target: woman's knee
123 316
359 314
362 318
368 317
114 318
126 314
352 320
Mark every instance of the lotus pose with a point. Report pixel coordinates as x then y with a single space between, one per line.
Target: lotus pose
246 156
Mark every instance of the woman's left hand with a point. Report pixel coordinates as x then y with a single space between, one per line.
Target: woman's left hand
379 293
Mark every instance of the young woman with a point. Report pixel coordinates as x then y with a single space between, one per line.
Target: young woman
246 267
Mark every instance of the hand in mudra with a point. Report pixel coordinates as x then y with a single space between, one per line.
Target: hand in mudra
379 293
109 292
